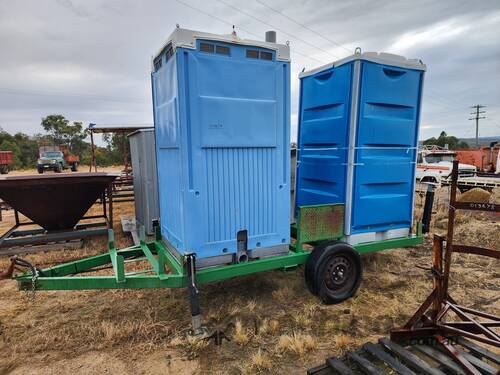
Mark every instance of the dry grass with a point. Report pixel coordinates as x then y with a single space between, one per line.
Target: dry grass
271 318
297 343
261 361
241 335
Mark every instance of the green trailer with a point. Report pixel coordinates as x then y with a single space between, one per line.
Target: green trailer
332 268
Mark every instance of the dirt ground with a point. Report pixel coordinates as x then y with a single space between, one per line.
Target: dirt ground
274 323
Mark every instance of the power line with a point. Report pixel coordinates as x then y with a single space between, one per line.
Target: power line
276 28
241 28
304 26
477 117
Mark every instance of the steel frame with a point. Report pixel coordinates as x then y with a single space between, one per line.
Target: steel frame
37 236
165 270
430 318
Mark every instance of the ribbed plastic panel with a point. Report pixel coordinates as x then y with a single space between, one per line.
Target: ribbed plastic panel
386 143
323 137
240 191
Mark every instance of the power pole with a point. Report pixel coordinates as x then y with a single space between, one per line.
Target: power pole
477 116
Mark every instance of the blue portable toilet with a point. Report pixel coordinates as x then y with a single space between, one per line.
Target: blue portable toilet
222 126
357 142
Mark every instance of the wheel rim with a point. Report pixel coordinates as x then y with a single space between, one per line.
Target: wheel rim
340 274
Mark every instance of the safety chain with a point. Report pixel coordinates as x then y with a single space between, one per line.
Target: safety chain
34 277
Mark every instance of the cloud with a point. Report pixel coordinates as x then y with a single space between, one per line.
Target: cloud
433 35
89 60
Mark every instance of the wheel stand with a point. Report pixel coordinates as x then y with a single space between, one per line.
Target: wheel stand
429 320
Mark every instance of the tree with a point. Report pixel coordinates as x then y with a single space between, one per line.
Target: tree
117 146
29 149
444 139
64 133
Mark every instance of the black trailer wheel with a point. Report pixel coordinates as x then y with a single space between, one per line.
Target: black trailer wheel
4 169
74 167
333 272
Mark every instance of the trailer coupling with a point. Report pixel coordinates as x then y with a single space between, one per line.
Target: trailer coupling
18 264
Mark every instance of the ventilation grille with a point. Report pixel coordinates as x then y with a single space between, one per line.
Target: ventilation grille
241 194
157 64
214 48
256 54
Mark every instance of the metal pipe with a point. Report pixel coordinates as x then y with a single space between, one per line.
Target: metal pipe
110 203
271 36
427 215
450 229
437 274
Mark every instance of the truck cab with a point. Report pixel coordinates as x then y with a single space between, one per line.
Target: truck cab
51 160
434 165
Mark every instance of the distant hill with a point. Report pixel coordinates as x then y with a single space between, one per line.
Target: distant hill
483 141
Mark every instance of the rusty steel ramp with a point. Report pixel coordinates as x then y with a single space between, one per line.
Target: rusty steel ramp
56 203
418 357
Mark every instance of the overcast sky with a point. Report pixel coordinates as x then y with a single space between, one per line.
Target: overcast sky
90 60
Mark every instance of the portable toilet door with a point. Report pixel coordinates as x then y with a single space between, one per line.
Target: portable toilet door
358 135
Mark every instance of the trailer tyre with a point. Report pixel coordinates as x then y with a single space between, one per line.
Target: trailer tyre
74 167
311 269
334 271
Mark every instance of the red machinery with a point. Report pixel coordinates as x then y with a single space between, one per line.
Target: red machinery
5 161
484 158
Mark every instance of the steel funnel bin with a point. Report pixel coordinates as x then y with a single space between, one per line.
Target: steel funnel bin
55 201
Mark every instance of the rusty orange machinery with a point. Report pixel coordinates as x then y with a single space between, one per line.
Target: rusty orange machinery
6 158
482 158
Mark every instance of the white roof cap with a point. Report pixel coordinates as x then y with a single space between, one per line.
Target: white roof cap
376 57
187 39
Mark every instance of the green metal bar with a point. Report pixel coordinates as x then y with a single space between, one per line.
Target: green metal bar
116 260
394 243
172 263
149 255
85 264
161 263
101 282
135 260
226 272
77 266
138 272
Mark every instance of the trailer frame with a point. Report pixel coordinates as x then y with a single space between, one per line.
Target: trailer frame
167 272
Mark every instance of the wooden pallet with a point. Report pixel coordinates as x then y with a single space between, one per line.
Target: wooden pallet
389 357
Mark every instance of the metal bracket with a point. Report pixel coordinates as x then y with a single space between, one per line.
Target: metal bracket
193 292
